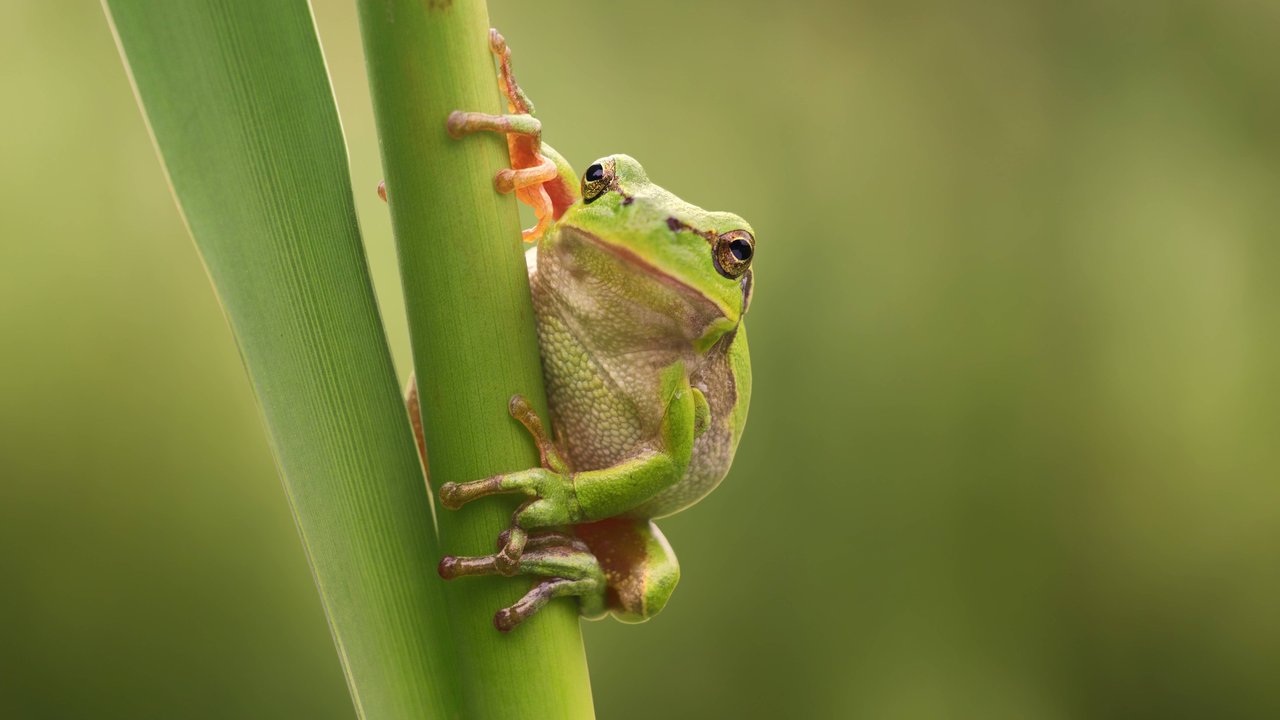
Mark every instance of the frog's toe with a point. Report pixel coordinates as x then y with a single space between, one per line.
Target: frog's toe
543 592
512 179
507 559
452 566
454 495
543 539
563 564
520 409
460 124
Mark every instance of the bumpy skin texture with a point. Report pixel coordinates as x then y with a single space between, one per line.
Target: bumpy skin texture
610 324
639 298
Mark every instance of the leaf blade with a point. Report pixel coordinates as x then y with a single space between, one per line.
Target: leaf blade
238 101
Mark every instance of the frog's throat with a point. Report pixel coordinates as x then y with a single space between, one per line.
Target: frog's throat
730 316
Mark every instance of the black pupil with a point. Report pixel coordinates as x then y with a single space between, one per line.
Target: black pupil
741 249
595 173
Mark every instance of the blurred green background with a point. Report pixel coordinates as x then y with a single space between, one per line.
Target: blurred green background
1015 440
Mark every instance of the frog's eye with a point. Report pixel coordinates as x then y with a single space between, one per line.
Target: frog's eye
597 179
732 252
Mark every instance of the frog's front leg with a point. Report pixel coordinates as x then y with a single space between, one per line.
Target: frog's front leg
530 172
548 480
543 181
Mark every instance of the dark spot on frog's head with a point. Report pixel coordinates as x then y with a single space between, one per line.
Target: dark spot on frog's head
627 200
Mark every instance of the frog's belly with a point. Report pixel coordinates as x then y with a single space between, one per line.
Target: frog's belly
595 420
604 386
600 418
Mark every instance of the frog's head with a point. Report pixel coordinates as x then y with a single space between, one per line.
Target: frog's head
670 255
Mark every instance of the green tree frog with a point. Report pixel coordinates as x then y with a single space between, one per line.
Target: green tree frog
639 298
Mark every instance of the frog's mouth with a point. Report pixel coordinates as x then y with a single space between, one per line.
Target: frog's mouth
704 319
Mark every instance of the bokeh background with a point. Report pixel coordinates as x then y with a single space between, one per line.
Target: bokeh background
1014 450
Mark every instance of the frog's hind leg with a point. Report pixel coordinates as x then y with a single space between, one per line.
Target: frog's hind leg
563 565
639 566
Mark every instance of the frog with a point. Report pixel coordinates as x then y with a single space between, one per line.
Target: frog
639 299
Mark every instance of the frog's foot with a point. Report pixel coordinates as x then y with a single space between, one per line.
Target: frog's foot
530 168
532 171
563 565
552 499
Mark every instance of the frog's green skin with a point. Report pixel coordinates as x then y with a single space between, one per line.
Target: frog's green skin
644 353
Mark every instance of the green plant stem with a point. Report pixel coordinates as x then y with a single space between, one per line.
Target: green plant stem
473 335
240 108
